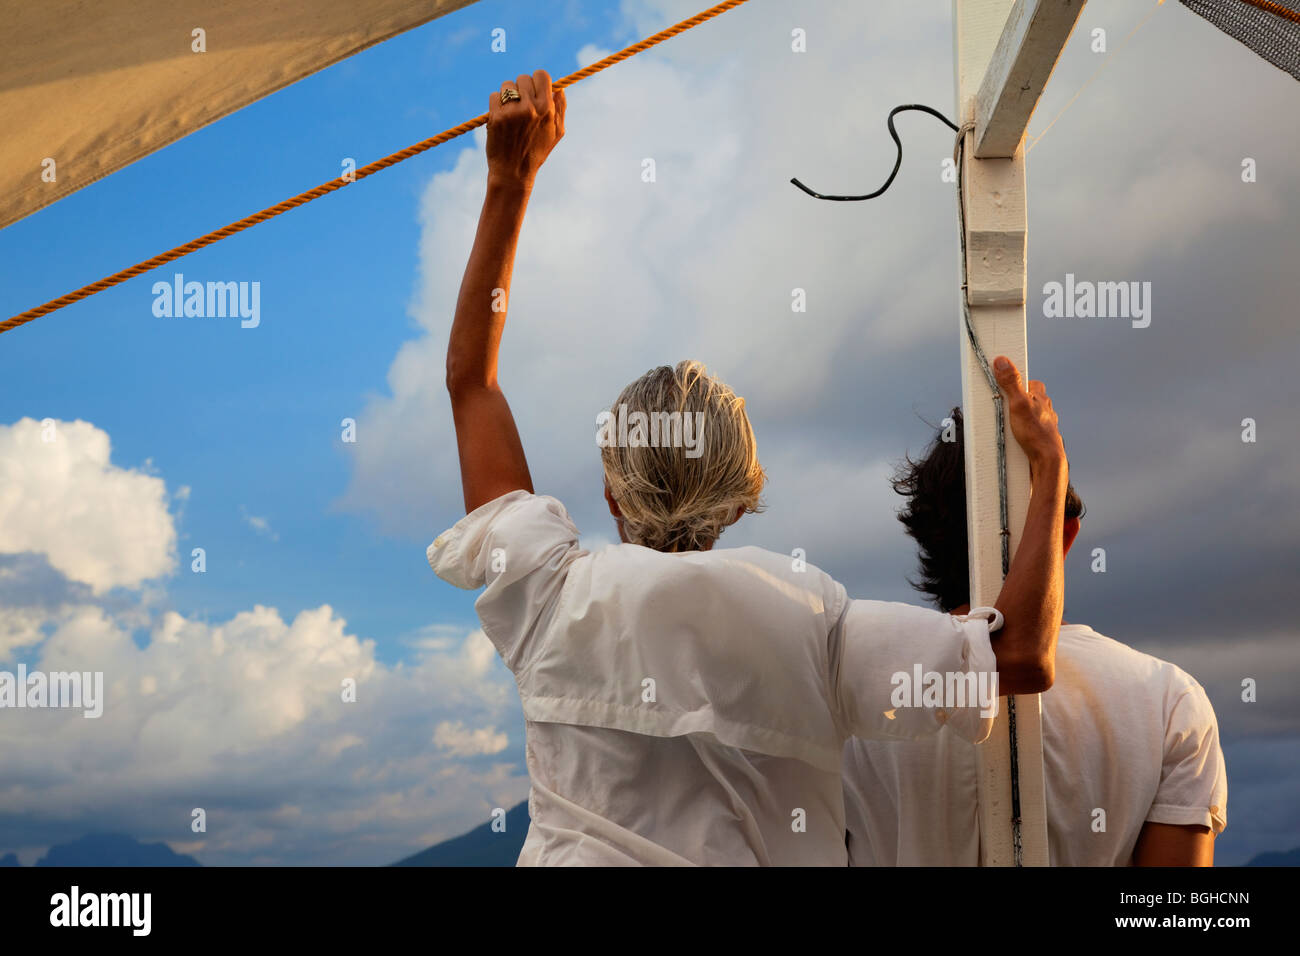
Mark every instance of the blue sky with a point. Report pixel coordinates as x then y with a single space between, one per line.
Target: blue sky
250 419
1138 181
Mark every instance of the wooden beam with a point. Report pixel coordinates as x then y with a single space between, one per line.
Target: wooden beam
1021 64
994 196
996 230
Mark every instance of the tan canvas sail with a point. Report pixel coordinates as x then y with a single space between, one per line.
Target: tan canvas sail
88 87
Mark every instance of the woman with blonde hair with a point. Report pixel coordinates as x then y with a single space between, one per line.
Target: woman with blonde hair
686 704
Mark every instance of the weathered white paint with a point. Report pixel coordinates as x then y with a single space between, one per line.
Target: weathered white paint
1021 64
1004 53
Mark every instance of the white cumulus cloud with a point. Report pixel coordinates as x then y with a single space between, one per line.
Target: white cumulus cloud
62 497
252 718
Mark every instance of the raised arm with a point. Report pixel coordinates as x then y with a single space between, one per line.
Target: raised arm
520 135
1033 595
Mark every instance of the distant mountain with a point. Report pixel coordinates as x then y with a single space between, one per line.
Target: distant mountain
9 859
1285 858
480 846
113 849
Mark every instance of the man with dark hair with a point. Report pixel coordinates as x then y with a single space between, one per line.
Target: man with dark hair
1133 769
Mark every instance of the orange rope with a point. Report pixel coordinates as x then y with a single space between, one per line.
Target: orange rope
333 184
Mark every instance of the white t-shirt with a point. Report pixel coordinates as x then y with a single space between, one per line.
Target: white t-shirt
1123 732
691 708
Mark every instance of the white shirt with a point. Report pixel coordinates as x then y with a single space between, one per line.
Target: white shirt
691 708
1123 733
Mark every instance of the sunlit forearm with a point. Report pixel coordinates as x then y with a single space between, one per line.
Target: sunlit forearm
481 307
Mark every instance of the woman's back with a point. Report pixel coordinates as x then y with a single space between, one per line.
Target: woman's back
691 707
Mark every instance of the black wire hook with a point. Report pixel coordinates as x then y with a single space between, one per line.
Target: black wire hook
897 163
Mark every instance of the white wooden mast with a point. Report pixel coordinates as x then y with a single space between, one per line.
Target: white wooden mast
1005 51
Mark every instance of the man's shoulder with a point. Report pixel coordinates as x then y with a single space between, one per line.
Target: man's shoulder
1087 652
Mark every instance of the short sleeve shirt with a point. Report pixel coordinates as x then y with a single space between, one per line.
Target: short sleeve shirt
693 707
